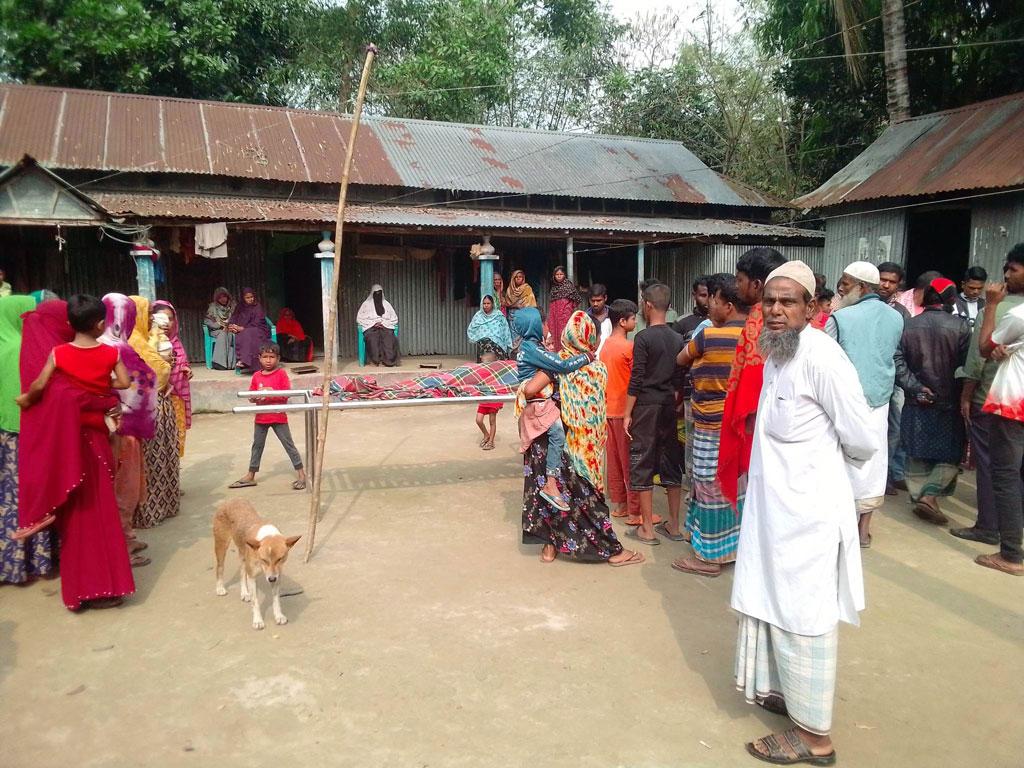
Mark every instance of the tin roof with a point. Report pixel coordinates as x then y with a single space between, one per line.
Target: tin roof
974 147
74 129
256 210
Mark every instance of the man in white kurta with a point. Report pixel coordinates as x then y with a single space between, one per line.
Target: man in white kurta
798 569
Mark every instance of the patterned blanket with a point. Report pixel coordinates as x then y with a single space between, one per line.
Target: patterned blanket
470 380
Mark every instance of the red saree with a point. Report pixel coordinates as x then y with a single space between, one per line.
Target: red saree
65 466
744 391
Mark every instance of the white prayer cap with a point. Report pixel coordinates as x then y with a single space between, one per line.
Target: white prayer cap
798 271
863 271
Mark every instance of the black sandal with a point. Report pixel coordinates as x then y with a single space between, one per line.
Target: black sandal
778 755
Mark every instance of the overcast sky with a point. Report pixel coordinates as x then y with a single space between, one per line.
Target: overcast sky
728 10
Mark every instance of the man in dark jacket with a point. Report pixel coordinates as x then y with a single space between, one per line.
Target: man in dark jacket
933 346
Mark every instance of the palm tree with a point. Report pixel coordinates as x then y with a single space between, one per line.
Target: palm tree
848 13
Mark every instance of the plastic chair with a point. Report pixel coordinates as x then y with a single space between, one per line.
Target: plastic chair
208 342
207 346
361 342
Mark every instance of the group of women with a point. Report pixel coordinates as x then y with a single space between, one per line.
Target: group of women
584 531
62 455
238 330
493 327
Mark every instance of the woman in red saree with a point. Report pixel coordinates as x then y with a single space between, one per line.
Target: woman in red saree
77 487
295 346
563 299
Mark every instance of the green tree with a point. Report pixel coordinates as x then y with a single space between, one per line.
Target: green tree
231 50
832 117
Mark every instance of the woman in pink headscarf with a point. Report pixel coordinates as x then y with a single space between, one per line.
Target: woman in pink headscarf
138 419
181 371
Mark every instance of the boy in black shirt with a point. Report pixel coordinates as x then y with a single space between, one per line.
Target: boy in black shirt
650 420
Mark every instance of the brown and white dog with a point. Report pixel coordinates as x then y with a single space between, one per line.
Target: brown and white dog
260 546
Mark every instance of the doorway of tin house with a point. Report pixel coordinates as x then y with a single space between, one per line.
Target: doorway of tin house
940 240
293 275
535 256
611 264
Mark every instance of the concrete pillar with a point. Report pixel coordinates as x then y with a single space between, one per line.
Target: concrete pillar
325 254
144 272
486 257
640 268
570 259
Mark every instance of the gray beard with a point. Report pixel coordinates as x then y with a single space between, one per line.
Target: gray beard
780 346
851 298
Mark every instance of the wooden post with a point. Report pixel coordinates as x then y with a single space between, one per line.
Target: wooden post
332 324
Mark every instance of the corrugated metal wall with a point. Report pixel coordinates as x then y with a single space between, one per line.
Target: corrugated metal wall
874 237
679 266
427 325
997 224
189 286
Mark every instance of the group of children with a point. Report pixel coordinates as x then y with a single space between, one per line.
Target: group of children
648 380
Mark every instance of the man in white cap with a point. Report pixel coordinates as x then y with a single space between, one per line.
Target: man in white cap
798 569
869 331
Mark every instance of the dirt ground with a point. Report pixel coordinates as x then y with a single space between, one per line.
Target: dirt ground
425 634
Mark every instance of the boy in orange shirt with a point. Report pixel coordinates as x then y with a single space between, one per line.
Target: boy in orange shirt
617 355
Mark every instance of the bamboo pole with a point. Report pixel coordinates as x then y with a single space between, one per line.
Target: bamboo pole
332 324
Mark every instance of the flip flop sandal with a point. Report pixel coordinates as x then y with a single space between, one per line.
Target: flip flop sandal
996 563
618 514
44 522
554 501
930 513
488 447
243 484
299 485
696 571
865 542
636 521
634 533
136 546
777 754
140 560
634 559
662 529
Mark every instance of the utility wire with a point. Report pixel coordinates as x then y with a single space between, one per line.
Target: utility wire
978 44
662 241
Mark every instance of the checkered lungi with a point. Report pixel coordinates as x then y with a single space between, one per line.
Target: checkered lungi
799 668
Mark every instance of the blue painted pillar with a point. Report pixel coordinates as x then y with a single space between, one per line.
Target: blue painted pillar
486 278
486 256
144 272
326 258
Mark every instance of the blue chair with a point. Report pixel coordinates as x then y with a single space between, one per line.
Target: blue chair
208 342
361 341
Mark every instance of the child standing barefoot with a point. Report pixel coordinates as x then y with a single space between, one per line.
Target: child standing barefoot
487 409
271 376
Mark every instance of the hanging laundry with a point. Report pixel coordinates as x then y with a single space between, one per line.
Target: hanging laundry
212 240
